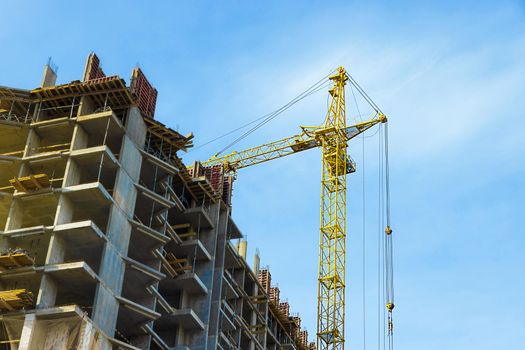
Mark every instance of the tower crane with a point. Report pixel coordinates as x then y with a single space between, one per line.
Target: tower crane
332 137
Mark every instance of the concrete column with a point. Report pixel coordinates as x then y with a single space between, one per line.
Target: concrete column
221 223
49 77
86 336
47 293
80 138
56 250
86 106
33 141
105 310
65 210
14 219
27 332
90 338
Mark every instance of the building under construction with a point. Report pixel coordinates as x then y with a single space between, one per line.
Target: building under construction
110 241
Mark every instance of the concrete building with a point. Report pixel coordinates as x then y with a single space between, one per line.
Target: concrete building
109 241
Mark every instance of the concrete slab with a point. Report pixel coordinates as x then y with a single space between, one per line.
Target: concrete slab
153 196
140 274
228 290
156 338
73 276
144 240
233 230
164 167
95 125
59 312
189 282
44 156
190 248
195 216
185 318
231 258
83 241
83 234
91 194
91 156
42 196
161 301
132 315
226 323
21 273
49 123
27 231
175 198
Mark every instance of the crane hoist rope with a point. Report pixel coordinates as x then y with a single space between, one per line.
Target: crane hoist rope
389 249
332 137
385 246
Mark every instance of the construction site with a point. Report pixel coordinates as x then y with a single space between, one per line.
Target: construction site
110 241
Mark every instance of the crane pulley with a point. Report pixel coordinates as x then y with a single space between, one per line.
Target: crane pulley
332 137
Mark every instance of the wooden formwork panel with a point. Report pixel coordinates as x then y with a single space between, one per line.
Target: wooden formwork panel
274 294
146 94
12 260
15 299
93 69
265 279
303 338
227 189
30 183
285 308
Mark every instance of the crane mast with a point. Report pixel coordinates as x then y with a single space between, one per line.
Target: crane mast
332 137
332 241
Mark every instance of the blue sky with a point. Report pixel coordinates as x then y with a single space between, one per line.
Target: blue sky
450 76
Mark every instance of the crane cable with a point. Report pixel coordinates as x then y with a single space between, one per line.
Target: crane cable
389 250
385 244
385 273
319 85
364 94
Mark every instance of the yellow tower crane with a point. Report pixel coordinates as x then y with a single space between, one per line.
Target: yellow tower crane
332 137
